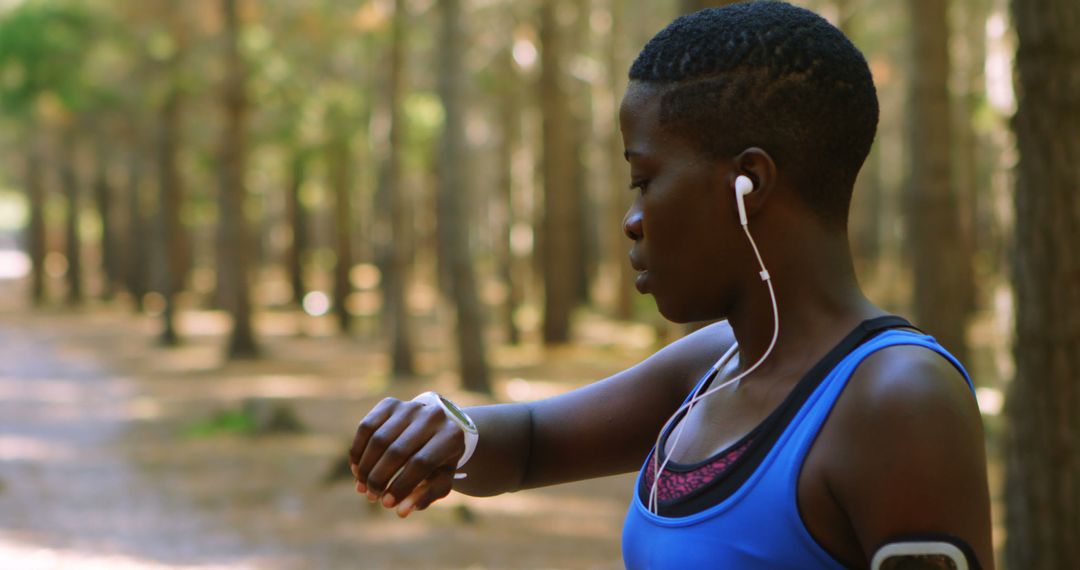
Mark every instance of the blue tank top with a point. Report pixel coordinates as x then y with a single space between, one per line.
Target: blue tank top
759 525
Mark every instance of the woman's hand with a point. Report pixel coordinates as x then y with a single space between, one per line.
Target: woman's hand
405 454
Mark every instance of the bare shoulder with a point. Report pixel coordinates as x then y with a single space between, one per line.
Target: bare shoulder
897 377
907 452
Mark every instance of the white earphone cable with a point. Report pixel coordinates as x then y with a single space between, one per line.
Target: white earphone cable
654 502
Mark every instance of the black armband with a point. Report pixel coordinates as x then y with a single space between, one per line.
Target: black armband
925 552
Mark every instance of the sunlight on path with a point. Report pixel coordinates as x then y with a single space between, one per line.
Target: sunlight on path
26 557
68 498
95 472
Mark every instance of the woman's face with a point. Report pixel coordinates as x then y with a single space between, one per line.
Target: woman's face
683 218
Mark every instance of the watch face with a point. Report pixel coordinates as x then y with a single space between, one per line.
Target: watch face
460 415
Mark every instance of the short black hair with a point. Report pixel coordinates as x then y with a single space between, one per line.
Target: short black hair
771 75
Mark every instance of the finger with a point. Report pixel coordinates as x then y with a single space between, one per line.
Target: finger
438 488
407 504
442 450
400 436
427 492
367 427
360 487
379 441
409 452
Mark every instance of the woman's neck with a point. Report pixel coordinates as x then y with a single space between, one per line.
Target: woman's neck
818 301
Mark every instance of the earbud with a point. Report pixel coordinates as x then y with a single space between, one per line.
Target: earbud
743 186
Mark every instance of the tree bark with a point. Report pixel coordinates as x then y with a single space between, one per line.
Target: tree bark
559 248
400 262
103 201
69 179
865 220
137 252
169 205
297 218
453 200
969 81
1043 444
172 242
619 196
941 270
35 229
509 138
579 101
234 224
339 157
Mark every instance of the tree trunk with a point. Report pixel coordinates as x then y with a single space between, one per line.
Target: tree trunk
582 141
510 124
865 219
169 204
1043 444
970 82
559 248
400 262
972 193
137 253
234 224
618 171
69 179
35 230
453 198
298 223
339 157
104 203
941 268
173 245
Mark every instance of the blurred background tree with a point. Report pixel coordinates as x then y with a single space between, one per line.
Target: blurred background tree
1043 461
943 289
45 96
446 175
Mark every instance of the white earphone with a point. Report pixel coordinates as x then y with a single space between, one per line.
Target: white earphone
743 186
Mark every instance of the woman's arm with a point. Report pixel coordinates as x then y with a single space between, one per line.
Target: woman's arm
912 459
601 429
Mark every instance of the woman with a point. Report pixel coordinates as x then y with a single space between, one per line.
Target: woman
809 429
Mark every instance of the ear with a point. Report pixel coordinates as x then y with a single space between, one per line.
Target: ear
757 165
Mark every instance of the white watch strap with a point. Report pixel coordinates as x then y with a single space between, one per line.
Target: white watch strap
472 437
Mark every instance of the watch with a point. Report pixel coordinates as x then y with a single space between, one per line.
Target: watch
455 413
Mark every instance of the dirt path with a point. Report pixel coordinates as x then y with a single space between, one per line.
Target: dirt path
69 497
98 469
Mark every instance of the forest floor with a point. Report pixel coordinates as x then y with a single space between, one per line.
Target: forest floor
109 457
103 463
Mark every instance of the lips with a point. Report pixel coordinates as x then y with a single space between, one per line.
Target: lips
641 282
643 274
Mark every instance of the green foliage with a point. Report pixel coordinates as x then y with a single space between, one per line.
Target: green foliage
424 116
43 49
254 417
222 422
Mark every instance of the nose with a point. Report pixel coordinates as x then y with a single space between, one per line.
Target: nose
632 224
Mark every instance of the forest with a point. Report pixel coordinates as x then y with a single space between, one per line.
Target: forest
265 215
